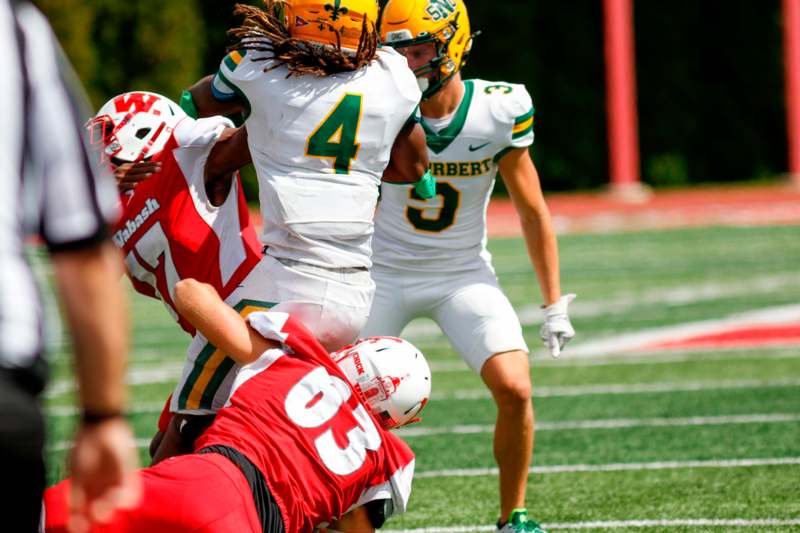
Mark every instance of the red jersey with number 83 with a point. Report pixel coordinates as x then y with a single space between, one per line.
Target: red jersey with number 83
294 415
169 229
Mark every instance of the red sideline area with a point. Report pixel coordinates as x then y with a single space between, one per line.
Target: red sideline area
706 206
742 337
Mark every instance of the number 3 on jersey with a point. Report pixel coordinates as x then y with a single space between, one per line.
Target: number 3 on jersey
335 137
446 217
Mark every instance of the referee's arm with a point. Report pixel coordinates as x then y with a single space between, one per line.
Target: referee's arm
77 203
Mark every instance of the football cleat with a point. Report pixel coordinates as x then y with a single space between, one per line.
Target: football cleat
518 521
391 375
134 126
332 22
445 23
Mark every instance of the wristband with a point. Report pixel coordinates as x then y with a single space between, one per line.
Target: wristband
95 417
426 186
187 104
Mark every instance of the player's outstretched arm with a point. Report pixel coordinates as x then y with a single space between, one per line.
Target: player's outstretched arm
206 105
230 153
522 181
200 304
409 158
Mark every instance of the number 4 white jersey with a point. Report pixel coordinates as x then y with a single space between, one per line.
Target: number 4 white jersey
448 232
320 145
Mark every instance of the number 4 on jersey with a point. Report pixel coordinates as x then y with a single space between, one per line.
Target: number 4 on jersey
335 137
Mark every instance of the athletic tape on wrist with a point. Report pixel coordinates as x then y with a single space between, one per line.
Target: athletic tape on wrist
426 186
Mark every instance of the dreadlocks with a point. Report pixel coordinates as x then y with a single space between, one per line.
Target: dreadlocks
265 31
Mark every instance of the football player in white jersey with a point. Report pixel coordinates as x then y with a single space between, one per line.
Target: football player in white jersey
326 113
430 255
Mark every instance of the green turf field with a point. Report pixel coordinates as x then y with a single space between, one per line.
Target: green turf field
705 440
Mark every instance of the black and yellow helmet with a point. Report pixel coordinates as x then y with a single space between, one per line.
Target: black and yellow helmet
443 22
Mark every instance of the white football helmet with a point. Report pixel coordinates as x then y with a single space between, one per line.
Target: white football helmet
134 126
391 375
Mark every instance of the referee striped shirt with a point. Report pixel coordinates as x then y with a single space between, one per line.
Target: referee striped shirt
48 183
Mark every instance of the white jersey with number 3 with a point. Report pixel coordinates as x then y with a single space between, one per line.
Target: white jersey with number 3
320 145
448 232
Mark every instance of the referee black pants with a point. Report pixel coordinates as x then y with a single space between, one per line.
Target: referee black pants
21 456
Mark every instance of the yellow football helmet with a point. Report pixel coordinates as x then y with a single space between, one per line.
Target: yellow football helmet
320 21
443 22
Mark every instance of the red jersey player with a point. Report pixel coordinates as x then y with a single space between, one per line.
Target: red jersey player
300 444
190 220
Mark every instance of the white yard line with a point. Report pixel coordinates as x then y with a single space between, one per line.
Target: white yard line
784 314
676 355
635 342
625 388
164 373
170 371
614 423
170 374
56 411
622 524
640 358
64 445
155 335
624 302
683 295
615 467
530 315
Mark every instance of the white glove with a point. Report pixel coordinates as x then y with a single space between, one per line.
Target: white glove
557 329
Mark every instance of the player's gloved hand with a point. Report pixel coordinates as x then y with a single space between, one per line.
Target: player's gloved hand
426 186
557 329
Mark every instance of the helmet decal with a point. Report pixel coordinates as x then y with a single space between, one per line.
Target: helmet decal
331 22
389 375
440 9
134 126
135 102
445 23
336 10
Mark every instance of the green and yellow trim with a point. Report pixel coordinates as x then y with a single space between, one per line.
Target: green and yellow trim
233 59
211 367
523 125
439 141
238 93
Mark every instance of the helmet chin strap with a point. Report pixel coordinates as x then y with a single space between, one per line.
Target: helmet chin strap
423 83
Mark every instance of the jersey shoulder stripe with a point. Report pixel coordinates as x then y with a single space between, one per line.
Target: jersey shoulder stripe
523 125
512 107
233 59
231 79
